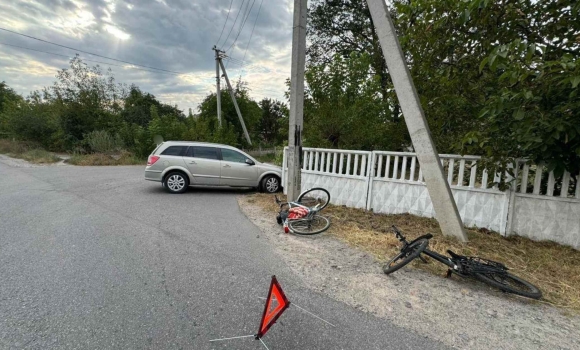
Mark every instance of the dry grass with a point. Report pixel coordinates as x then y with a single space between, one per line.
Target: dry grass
100 159
554 268
27 151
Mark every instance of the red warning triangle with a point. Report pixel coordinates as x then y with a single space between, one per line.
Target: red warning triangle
276 304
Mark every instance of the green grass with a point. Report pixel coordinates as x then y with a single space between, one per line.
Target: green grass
100 159
270 158
27 151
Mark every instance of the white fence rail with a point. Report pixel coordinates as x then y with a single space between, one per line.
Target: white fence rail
539 205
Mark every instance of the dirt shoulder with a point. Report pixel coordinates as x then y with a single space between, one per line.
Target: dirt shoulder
460 313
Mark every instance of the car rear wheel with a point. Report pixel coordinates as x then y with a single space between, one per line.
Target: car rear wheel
271 184
176 182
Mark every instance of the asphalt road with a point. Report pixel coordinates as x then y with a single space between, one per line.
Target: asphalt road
99 258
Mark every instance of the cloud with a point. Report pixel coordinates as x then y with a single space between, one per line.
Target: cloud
175 35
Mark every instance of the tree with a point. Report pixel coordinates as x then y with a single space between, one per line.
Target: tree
533 111
343 108
250 110
137 106
274 116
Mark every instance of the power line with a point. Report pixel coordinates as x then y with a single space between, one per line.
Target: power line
235 21
90 53
242 25
84 59
252 33
101 62
226 22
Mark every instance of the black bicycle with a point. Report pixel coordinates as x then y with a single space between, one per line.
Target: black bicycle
490 272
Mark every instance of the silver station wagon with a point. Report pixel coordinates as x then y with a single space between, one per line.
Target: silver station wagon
178 165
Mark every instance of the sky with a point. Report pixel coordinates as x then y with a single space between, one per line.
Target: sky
174 35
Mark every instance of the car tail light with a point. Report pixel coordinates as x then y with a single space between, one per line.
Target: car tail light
152 160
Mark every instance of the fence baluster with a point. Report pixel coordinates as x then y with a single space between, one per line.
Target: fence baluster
316 156
387 167
396 168
578 186
304 156
412 175
340 166
420 177
404 168
524 183
348 164
496 180
473 175
551 182
461 171
363 165
565 185
380 167
484 179
538 180
355 168
450 170
334 163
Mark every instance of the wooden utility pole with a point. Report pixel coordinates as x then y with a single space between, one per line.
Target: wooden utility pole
296 99
445 208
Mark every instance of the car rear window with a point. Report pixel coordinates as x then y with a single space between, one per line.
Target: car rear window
204 152
174 151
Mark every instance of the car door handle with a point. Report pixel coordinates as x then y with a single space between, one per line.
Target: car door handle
192 162
227 166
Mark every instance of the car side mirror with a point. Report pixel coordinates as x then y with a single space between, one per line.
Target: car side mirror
250 162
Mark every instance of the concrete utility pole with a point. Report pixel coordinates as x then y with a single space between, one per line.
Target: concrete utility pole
217 81
233 95
439 190
296 99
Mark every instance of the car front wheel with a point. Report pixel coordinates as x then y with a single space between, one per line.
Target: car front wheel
176 182
271 184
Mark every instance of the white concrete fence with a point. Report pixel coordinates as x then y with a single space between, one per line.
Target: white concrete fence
538 205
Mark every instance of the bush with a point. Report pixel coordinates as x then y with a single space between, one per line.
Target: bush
101 141
27 150
99 159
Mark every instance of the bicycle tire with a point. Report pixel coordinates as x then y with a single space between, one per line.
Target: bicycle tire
412 251
304 226
311 202
509 283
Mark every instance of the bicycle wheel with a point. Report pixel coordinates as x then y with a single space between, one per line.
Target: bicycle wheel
314 196
412 251
309 226
509 283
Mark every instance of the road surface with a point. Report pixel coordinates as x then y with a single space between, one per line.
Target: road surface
98 258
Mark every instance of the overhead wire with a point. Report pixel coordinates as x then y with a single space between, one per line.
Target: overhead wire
252 33
89 53
101 62
243 23
235 21
226 22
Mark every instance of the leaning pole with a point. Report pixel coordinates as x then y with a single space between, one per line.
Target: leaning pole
438 187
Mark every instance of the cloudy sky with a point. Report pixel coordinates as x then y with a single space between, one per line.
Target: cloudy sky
174 35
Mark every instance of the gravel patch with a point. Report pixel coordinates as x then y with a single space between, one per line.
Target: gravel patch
460 313
21 163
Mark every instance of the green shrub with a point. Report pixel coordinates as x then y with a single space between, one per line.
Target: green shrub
101 141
